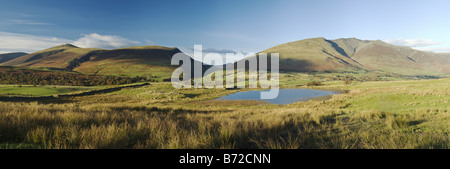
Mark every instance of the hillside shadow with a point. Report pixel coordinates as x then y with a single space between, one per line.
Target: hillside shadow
287 65
291 65
341 51
338 49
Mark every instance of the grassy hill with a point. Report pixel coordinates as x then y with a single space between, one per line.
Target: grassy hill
147 61
142 60
55 57
320 54
390 58
316 54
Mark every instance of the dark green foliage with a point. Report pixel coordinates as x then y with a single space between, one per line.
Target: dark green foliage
314 83
35 77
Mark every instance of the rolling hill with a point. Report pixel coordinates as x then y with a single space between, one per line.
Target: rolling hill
147 61
320 54
55 57
134 61
9 56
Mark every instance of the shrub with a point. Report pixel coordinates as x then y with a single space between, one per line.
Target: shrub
314 83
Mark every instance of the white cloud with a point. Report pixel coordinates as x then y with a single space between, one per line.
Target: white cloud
413 42
95 40
422 44
14 42
238 54
3 52
435 49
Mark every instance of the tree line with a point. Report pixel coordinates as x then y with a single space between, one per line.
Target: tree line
29 77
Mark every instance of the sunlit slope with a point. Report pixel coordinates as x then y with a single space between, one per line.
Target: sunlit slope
144 60
319 54
55 57
147 61
315 54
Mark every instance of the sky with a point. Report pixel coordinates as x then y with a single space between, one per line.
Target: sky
220 25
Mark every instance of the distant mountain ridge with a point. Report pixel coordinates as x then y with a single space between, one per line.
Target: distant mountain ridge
320 54
309 55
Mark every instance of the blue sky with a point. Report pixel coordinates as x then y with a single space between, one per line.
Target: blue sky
232 25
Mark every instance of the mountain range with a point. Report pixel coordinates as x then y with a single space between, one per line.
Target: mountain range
316 54
320 54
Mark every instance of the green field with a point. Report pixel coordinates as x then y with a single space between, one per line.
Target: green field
30 90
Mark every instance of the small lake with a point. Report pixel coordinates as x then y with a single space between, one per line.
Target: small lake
285 96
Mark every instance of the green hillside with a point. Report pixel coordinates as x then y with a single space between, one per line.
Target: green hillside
134 61
320 54
55 57
147 61
316 54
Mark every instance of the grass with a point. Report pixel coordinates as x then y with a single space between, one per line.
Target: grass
128 68
383 114
30 90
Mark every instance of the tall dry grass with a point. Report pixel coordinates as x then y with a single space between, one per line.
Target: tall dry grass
75 126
